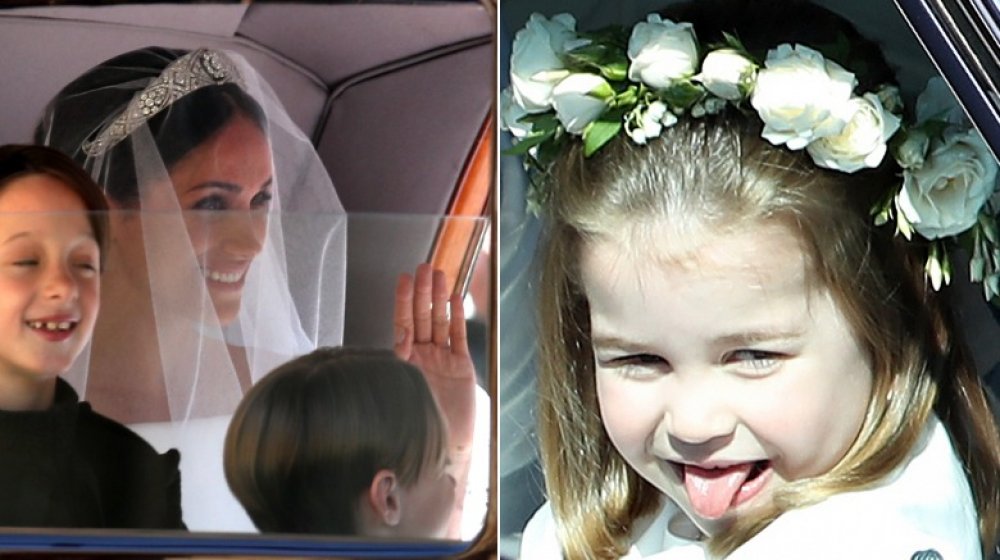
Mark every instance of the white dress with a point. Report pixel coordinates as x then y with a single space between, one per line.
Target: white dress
925 506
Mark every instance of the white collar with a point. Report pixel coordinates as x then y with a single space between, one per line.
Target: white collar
926 504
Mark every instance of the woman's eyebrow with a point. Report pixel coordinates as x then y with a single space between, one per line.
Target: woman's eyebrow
226 186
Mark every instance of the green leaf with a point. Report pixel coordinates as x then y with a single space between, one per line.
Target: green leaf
588 55
599 133
882 210
612 36
683 94
627 98
608 60
988 224
883 216
603 91
527 143
732 41
539 118
615 71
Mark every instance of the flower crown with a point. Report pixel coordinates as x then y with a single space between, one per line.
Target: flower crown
596 85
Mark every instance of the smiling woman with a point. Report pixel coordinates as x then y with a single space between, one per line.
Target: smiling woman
226 254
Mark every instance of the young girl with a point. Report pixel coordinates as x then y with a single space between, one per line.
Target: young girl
352 441
63 465
735 360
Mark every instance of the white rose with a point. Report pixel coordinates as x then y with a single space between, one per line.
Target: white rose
661 52
863 141
944 196
727 73
579 100
801 96
536 65
510 113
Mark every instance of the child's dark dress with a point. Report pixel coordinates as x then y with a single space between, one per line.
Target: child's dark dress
71 467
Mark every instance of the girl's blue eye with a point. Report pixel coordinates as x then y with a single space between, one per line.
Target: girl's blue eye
641 359
637 365
213 202
755 361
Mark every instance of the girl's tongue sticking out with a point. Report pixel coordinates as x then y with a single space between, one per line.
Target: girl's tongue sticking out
713 491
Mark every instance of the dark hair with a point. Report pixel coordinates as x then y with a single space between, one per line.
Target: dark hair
307 439
86 105
17 161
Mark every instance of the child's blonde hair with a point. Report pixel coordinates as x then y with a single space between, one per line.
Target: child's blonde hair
717 174
307 440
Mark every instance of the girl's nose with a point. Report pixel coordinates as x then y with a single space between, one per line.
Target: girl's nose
697 418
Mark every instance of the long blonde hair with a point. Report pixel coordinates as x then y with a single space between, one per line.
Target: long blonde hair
718 172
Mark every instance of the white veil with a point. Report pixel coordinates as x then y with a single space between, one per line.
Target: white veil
165 353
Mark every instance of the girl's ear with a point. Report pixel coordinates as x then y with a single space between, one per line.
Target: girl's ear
384 497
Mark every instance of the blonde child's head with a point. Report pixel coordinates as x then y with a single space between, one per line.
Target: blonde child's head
341 441
711 203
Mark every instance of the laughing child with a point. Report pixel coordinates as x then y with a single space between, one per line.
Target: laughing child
63 464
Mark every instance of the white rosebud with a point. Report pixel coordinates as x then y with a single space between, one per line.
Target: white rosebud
649 123
510 113
727 74
661 52
536 65
579 100
932 268
801 96
944 196
991 286
977 268
669 119
890 98
863 141
911 153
